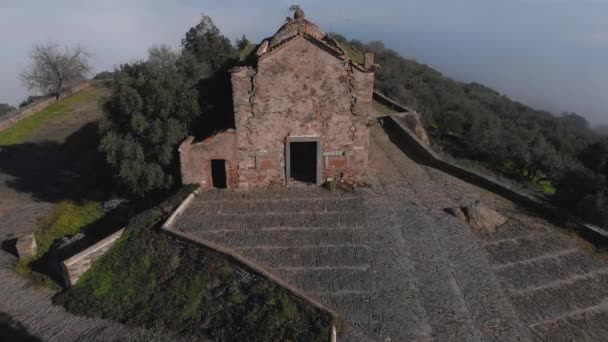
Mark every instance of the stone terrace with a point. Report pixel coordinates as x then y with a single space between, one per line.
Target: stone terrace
314 239
396 267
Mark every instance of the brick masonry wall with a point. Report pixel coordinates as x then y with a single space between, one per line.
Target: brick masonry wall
39 105
195 159
301 90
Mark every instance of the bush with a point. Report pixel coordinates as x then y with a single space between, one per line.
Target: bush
104 75
584 193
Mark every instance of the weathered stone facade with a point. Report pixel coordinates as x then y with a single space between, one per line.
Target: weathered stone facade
301 87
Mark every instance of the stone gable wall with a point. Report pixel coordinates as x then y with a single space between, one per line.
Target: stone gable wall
301 89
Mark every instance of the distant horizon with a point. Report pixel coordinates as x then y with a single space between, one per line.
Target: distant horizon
547 54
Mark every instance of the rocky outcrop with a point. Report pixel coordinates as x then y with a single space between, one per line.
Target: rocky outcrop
479 217
414 122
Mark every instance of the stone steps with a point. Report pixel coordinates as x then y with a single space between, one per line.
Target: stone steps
588 325
552 302
547 270
511 230
331 279
355 306
192 222
308 256
310 205
286 236
273 193
525 248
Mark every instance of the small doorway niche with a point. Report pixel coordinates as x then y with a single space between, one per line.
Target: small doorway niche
303 162
218 173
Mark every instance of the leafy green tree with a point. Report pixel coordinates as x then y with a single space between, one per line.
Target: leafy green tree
208 46
155 104
148 113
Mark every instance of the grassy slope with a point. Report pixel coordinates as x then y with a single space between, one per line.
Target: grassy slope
152 280
20 132
67 217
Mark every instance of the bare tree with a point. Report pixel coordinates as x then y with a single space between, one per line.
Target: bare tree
55 68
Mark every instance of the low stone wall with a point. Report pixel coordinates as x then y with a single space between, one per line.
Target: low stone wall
11 119
408 142
75 266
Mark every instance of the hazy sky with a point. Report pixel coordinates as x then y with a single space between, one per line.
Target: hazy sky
551 54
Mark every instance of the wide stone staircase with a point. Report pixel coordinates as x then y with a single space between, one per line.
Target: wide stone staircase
312 238
559 290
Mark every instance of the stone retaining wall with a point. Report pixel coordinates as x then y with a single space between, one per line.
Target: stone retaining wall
75 266
11 119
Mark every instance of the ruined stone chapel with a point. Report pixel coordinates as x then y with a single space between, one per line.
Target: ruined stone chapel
301 111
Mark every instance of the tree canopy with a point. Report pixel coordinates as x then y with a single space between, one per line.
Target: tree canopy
147 114
472 121
208 46
155 104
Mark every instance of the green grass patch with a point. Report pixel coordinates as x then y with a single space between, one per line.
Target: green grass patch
152 280
22 130
353 53
382 108
547 187
67 218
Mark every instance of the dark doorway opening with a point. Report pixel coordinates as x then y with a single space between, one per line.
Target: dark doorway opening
303 161
218 173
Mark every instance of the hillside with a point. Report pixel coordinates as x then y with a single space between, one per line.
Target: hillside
484 128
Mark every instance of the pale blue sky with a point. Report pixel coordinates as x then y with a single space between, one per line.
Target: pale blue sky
551 54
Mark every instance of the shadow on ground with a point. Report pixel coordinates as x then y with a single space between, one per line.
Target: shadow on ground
51 171
13 331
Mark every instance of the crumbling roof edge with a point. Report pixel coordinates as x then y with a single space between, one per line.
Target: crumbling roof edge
339 54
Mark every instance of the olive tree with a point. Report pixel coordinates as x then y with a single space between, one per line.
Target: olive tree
55 68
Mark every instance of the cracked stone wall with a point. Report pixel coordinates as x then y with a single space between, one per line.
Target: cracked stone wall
301 90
